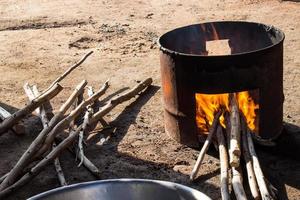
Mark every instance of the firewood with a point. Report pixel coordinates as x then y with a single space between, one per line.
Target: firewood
87 116
86 162
95 106
17 116
206 145
235 135
45 112
17 128
36 144
58 169
72 137
70 69
249 167
237 184
265 195
64 123
224 164
3 177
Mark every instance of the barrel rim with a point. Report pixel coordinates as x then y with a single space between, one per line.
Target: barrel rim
167 50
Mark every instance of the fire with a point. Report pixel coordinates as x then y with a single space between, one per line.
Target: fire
208 104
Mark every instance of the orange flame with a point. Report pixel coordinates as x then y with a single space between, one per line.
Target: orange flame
208 104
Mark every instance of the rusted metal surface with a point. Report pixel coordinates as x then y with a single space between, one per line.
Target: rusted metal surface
256 62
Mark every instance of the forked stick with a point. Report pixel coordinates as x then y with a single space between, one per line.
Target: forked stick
235 133
206 145
17 116
224 164
265 195
35 145
249 167
65 143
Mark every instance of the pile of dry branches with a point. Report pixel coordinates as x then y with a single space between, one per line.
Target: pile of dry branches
82 118
238 143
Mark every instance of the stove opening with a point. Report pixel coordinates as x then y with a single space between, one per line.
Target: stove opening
208 104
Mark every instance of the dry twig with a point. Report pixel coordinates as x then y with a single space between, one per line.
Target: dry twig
205 145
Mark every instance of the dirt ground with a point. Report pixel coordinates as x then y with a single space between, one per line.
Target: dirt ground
40 39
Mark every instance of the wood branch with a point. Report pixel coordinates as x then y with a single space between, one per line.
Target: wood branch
86 119
237 184
64 123
265 195
59 171
71 138
45 112
206 145
86 162
235 134
17 116
70 69
224 164
17 128
249 167
120 99
38 141
3 177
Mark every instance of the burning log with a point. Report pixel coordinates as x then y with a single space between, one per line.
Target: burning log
35 145
43 112
235 135
17 116
249 167
206 145
237 184
66 143
265 195
224 163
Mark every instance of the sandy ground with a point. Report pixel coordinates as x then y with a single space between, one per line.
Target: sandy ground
40 39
